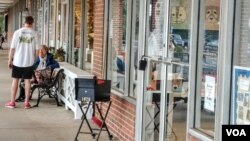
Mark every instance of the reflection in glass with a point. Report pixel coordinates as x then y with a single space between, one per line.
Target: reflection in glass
90 35
52 25
77 30
58 25
45 28
63 19
134 47
178 72
154 49
119 25
207 75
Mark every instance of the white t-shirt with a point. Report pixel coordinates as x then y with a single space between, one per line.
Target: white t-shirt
25 43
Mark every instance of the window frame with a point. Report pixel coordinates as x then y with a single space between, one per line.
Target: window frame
226 42
129 69
83 36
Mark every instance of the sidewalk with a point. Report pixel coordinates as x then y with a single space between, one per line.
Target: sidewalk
44 123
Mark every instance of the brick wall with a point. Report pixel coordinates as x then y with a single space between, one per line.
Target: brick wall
117 23
121 118
98 38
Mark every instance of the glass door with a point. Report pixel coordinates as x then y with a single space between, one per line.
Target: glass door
166 78
154 89
206 64
178 71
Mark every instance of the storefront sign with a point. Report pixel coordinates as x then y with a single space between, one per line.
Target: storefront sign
241 94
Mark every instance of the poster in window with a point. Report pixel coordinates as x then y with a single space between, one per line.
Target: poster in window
209 101
241 95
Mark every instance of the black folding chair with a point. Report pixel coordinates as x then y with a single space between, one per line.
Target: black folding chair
93 91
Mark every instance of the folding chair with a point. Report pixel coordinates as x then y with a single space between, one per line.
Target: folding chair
93 91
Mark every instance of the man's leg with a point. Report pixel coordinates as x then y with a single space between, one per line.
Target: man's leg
14 88
21 96
27 75
27 89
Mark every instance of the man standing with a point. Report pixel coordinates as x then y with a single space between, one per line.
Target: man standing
23 51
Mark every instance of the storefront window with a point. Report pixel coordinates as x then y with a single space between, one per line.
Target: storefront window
178 72
119 50
58 25
52 25
45 22
88 48
134 47
124 55
83 32
63 29
207 67
77 30
241 69
39 16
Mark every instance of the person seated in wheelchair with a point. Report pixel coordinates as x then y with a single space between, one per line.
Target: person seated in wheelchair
43 66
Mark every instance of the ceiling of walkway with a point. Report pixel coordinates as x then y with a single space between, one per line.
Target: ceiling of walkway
5 4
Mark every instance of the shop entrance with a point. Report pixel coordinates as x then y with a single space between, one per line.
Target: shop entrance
166 77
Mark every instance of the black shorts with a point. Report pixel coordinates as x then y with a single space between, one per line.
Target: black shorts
22 72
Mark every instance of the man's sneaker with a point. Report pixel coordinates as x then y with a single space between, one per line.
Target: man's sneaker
27 105
10 104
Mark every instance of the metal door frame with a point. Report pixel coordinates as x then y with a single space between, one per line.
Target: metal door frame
139 130
226 42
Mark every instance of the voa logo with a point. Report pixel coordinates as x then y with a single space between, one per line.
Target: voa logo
236 132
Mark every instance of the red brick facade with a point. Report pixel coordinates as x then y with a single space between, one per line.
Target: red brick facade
117 24
121 118
98 38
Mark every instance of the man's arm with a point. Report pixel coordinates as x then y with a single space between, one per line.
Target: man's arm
11 55
36 63
12 49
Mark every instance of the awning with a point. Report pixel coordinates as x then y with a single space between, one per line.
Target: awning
5 4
